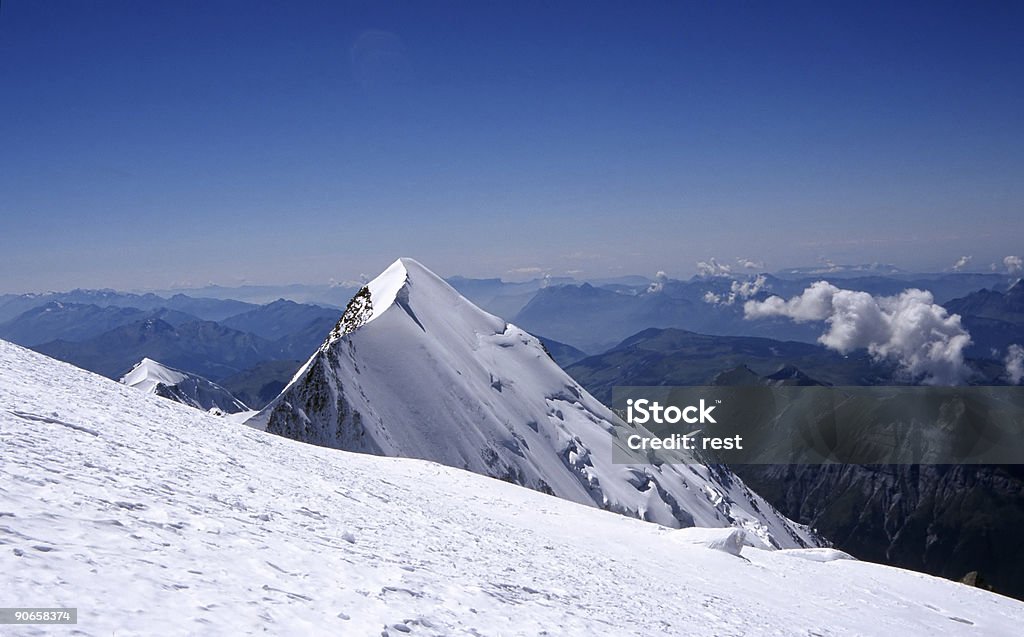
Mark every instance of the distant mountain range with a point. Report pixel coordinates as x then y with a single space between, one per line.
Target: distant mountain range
1005 306
995 319
591 317
595 318
78 322
11 305
102 329
678 357
503 298
109 338
261 383
205 348
281 319
333 295
562 354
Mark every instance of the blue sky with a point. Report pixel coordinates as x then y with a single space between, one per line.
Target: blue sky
154 144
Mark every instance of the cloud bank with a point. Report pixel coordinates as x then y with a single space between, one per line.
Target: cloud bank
926 341
712 267
1014 364
659 282
1013 265
738 290
961 263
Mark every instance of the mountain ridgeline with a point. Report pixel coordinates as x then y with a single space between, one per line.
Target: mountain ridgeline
108 339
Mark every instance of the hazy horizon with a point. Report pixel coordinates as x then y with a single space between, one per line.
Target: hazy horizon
167 146
737 271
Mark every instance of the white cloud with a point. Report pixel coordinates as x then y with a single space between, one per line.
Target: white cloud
1013 265
738 290
814 304
712 267
749 288
749 264
659 282
961 263
1014 364
909 328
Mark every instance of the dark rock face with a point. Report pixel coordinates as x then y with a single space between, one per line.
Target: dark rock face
357 312
318 398
946 520
975 579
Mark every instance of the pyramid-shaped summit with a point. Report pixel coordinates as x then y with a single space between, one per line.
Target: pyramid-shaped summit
413 369
193 390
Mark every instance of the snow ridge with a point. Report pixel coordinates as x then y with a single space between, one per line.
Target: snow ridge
193 390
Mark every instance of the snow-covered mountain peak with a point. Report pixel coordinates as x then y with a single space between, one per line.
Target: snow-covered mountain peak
148 373
415 370
409 288
387 286
384 289
193 390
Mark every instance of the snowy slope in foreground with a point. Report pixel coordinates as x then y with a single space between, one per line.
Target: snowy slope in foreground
153 377
414 370
153 518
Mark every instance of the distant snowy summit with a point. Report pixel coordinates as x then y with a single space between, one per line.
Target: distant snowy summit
153 377
413 369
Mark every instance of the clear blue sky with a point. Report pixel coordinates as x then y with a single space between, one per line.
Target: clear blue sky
145 144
